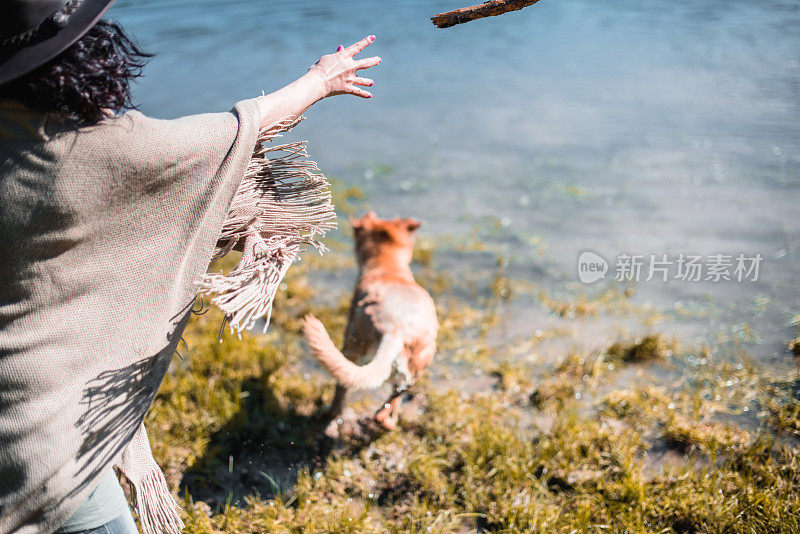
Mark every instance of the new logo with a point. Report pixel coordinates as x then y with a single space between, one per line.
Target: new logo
591 267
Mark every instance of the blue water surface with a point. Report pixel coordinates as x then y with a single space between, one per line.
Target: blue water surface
620 127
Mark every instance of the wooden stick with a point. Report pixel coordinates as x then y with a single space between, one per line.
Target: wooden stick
487 9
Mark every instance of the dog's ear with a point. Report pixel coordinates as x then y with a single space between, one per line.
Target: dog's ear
365 221
412 225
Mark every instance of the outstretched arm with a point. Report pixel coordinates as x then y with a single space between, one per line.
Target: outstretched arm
333 74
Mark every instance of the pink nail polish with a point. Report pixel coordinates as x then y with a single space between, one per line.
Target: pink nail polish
370 96
372 38
340 48
380 59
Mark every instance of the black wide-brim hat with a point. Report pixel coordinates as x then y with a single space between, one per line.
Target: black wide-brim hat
32 32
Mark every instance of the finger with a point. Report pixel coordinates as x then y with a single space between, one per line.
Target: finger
354 49
360 92
340 48
362 64
363 81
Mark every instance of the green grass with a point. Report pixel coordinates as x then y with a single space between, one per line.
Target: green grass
236 428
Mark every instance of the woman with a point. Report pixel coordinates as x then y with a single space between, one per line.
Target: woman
108 219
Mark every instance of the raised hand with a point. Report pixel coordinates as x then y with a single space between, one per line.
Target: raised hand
338 70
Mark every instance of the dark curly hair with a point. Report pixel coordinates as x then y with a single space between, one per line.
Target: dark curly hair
88 78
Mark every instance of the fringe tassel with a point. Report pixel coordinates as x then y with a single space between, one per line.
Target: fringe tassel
282 203
156 507
157 510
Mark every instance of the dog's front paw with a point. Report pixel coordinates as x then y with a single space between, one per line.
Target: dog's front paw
385 418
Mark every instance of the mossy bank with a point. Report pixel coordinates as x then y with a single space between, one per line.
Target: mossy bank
696 442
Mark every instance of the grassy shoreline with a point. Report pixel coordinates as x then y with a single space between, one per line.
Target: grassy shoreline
489 443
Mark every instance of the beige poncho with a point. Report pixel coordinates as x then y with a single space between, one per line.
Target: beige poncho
105 235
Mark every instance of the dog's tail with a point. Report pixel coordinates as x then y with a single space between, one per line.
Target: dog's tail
347 373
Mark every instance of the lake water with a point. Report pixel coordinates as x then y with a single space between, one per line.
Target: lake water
631 127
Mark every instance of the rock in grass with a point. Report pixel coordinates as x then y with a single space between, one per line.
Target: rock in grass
549 392
794 346
650 347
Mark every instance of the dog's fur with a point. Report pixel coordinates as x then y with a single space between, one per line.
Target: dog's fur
391 318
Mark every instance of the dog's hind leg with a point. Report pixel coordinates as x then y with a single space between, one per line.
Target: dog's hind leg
332 414
338 402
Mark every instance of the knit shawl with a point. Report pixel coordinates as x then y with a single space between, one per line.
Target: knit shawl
106 233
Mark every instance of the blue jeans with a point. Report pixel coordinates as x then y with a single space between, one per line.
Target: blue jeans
122 525
104 511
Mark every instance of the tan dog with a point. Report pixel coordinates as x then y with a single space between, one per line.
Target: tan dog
391 319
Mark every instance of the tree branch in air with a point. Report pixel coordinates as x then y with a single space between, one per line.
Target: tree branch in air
487 9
